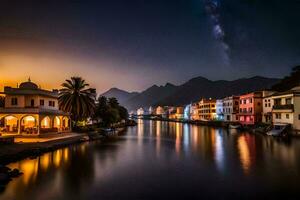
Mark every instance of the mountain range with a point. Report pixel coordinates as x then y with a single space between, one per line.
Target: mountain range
191 91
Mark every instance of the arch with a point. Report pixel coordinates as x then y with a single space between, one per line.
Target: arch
11 123
56 122
65 122
28 124
46 122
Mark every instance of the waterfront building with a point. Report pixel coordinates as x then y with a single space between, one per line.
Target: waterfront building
194 111
207 109
172 112
31 110
187 112
250 106
231 108
267 104
140 112
151 110
159 110
179 112
219 110
286 108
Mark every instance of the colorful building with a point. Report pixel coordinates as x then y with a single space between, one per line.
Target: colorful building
31 110
286 108
219 110
231 108
207 109
159 110
250 108
267 104
179 112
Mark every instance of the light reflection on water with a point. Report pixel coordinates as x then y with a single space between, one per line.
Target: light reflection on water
172 155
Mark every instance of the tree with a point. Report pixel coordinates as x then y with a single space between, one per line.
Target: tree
2 101
123 113
113 102
289 82
77 99
109 111
101 110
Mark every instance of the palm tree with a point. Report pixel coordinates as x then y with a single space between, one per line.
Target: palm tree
76 99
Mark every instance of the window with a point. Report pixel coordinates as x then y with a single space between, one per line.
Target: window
278 116
14 101
287 116
277 102
52 103
42 102
251 100
32 102
269 104
266 105
288 101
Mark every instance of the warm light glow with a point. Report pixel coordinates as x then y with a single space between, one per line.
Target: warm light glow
57 157
28 122
244 153
45 161
45 123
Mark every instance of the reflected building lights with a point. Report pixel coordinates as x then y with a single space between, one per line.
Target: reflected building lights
244 153
219 150
186 137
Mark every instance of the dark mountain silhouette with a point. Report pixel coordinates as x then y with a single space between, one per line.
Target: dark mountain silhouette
150 96
121 95
200 87
195 89
289 82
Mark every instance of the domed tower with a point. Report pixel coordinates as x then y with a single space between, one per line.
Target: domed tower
28 85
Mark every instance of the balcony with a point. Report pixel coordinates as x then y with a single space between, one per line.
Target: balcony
30 110
287 107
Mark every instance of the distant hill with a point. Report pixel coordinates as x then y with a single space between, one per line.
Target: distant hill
193 90
121 95
150 96
200 87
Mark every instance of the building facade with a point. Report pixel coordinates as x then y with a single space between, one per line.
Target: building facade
231 108
267 104
207 109
250 106
219 110
286 108
31 110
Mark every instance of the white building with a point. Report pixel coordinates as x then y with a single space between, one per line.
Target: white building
140 112
31 110
219 110
231 108
268 104
286 109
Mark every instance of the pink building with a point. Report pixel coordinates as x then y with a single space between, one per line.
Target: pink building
250 108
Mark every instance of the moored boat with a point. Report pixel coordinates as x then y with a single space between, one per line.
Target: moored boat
279 130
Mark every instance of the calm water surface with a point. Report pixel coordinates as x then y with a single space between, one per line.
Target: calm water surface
164 160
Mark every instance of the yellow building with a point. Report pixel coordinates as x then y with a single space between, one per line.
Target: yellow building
207 109
31 110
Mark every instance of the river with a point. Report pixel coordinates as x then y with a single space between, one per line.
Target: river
164 160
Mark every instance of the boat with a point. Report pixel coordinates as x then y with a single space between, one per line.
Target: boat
279 130
234 126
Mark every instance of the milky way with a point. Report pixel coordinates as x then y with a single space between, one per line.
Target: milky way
212 8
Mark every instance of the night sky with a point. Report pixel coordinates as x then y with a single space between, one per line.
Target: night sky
133 44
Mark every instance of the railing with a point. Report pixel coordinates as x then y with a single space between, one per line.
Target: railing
284 107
